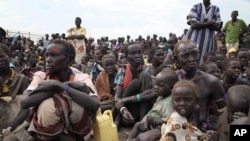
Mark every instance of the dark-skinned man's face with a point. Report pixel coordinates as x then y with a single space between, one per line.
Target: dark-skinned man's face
187 56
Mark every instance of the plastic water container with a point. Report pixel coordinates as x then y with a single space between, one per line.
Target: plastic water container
104 128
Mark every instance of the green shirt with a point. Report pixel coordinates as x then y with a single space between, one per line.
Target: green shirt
162 108
233 31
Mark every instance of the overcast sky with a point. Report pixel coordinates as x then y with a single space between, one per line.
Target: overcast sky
113 18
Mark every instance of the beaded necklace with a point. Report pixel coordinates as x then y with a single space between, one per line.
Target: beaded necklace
5 86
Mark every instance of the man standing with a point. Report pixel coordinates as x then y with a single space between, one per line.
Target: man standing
76 37
204 19
234 28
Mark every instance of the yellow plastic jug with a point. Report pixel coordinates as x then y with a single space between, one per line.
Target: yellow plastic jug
104 127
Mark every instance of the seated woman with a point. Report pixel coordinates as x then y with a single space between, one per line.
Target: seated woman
156 57
95 66
132 79
63 103
105 82
147 129
12 86
183 122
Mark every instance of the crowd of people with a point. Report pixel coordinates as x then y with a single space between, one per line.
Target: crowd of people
190 87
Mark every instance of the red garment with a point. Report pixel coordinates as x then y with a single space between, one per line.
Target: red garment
127 77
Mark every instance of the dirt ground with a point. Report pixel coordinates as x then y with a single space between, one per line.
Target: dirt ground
122 134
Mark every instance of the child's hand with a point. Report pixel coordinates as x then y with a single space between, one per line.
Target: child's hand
150 120
127 116
143 126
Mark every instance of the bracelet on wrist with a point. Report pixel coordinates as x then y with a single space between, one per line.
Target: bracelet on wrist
138 98
122 108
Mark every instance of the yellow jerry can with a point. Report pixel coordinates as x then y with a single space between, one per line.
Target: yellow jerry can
104 127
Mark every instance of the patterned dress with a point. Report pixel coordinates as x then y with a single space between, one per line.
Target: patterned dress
79 44
179 129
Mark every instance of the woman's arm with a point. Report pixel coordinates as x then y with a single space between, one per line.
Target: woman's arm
144 96
85 99
34 99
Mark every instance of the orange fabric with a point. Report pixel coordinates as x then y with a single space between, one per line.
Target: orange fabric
103 86
127 77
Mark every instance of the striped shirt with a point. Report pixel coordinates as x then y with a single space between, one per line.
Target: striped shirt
204 38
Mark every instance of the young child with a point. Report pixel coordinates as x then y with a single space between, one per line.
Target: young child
220 61
209 57
243 56
184 120
231 74
161 110
211 68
